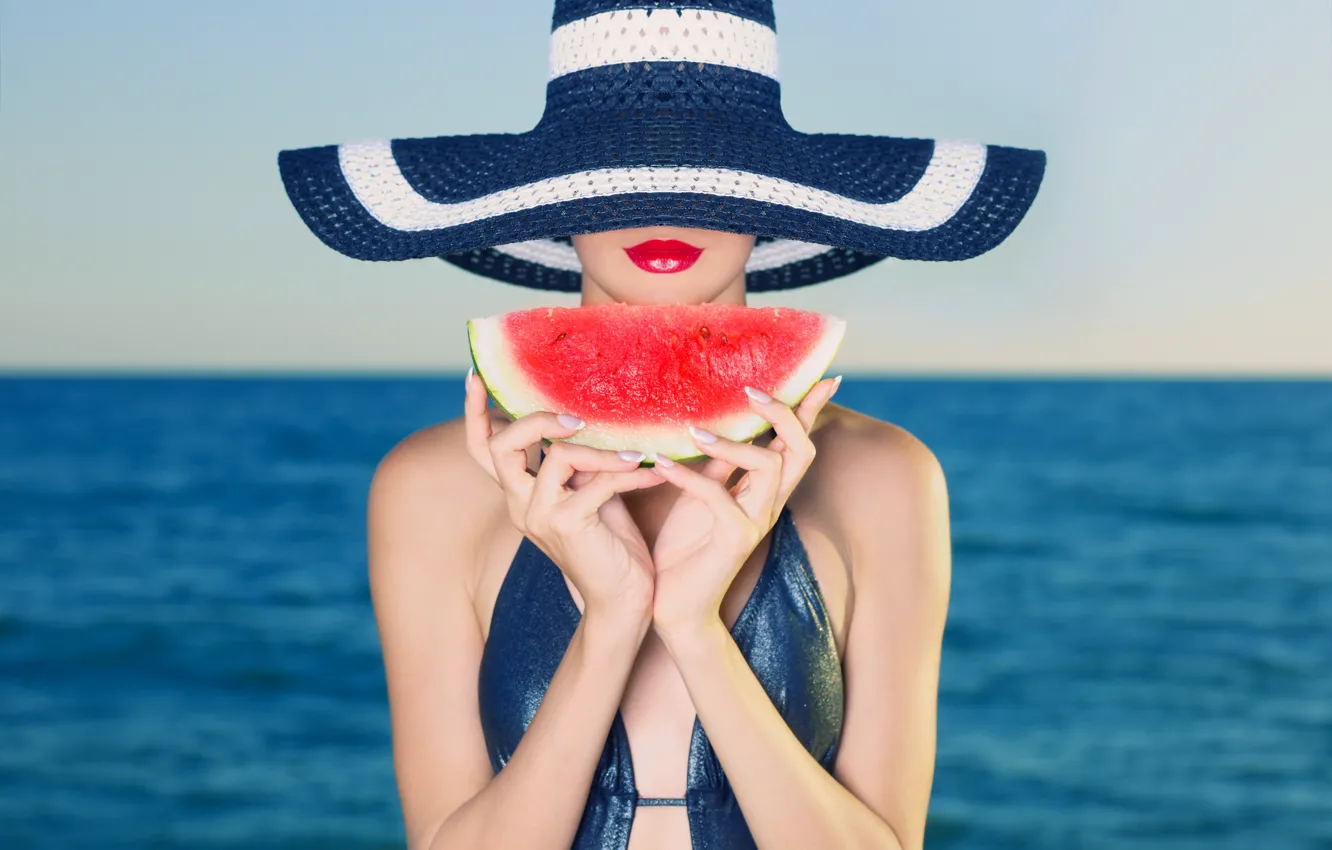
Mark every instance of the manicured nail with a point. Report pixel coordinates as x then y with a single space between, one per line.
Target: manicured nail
758 395
467 382
662 460
837 382
632 457
570 421
701 435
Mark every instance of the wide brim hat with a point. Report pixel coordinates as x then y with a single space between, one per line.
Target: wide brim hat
662 114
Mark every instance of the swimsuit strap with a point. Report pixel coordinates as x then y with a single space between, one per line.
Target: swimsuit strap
661 801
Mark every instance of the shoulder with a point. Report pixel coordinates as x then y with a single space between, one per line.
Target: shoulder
428 510
884 491
430 504
873 459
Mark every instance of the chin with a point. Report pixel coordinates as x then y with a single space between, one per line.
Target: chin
656 291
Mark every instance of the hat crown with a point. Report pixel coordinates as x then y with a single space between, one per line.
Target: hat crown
615 59
569 11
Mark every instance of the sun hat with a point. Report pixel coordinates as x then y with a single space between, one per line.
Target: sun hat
660 112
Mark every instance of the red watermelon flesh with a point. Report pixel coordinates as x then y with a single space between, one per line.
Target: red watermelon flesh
639 375
635 365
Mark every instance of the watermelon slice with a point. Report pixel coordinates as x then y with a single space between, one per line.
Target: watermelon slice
639 376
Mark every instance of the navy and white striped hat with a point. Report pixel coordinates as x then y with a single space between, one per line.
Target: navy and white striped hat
662 112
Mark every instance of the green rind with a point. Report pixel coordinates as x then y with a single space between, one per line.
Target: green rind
471 346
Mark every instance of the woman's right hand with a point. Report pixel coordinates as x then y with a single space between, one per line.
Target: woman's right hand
571 507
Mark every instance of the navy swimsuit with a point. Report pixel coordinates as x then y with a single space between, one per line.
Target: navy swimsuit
783 631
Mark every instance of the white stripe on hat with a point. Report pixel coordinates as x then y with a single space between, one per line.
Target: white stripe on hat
782 252
373 175
561 255
637 35
545 252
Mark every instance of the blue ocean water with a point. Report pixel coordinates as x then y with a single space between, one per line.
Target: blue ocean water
1138 651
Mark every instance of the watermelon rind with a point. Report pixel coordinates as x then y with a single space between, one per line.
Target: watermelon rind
517 397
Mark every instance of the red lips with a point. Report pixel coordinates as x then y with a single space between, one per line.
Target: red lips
663 256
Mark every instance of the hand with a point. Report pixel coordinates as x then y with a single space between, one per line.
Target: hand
571 507
711 529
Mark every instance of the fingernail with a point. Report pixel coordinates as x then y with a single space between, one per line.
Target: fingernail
701 435
632 457
569 421
758 395
662 460
837 382
467 382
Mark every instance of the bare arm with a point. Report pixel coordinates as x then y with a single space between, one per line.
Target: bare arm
426 517
890 494
900 542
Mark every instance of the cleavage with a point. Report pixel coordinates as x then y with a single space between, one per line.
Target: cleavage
656 708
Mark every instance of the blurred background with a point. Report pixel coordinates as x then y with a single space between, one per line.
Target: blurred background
1132 400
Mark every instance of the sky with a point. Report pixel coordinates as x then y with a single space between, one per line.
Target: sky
1184 226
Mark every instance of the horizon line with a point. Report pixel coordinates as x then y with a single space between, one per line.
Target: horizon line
403 373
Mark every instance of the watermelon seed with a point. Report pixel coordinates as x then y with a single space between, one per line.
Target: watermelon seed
704 333
562 335
723 337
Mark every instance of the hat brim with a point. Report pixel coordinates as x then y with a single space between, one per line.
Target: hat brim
467 198
552 264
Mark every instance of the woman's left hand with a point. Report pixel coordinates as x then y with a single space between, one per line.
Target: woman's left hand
712 529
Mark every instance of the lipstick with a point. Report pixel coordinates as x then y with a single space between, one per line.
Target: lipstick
663 256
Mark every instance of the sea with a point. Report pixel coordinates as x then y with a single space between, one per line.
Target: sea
1138 651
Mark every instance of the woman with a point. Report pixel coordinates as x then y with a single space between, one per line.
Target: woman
739 653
